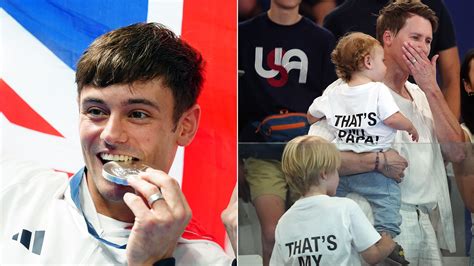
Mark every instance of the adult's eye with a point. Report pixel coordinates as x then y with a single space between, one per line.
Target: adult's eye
95 112
138 115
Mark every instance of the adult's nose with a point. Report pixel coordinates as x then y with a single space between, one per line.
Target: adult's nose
114 131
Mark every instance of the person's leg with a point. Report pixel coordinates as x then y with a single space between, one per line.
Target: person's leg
411 234
269 210
383 194
268 190
430 252
418 237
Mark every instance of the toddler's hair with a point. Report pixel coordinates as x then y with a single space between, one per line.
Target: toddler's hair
348 56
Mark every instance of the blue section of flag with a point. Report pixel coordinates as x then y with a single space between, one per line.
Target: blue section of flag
67 27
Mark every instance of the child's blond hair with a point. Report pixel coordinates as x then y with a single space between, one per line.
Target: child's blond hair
305 158
350 51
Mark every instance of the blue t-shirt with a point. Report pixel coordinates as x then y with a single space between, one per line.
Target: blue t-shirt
282 67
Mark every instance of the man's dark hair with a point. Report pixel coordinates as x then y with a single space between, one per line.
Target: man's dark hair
142 52
394 16
467 102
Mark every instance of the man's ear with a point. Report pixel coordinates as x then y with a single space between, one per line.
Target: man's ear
188 125
387 38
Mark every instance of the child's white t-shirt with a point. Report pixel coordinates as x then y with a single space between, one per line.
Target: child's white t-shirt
322 230
356 114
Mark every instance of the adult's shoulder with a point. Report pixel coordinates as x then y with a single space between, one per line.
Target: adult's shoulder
253 22
315 28
353 15
321 39
337 14
414 88
419 97
29 177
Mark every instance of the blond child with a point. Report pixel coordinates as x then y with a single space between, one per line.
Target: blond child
361 111
319 229
364 117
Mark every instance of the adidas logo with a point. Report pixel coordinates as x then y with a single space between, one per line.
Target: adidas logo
25 239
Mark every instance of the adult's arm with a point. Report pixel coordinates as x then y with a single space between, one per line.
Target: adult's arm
449 67
390 163
229 219
445 46
464 173
447 128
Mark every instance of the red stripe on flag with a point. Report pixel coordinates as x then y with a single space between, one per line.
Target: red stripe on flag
20 113
210 162
66 172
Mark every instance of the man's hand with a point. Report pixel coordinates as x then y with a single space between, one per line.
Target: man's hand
229 218
421 68
392 165
157 228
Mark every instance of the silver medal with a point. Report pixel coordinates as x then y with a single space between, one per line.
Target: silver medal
119 172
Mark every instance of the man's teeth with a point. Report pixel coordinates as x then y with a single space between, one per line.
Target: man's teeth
115 157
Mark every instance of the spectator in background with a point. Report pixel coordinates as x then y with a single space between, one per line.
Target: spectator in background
249 9
284 63
317 10
464 171
361 15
